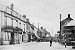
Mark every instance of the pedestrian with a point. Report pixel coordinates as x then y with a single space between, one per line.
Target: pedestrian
50 42
65 43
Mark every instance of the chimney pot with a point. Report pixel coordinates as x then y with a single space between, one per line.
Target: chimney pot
68 15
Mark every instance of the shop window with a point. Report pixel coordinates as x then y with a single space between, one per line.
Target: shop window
7 36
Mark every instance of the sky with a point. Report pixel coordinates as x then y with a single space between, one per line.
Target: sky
44 12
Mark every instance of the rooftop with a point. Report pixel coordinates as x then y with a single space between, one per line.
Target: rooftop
65 21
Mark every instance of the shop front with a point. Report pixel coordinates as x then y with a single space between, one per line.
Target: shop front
7 36
11 35
25 37
33 37
69 35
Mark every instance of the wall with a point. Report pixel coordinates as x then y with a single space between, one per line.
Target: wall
0 27
2 23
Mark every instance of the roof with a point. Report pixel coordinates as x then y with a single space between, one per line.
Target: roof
42 30
68 19
65 22
71 23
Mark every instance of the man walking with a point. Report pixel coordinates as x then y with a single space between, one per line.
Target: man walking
50 42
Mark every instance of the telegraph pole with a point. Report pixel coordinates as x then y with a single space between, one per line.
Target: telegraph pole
60 28
61 32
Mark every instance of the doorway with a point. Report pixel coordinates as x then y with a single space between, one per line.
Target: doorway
12 38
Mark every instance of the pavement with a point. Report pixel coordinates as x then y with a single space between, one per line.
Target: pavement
35 46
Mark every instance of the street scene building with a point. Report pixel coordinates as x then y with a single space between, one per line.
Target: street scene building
67 31
37 25
12 26
16 28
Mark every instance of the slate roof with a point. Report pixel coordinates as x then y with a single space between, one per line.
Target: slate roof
68 19
71 23
65 21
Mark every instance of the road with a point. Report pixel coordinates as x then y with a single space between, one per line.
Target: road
35 46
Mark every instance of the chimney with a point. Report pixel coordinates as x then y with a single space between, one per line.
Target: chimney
12 6
68 15
24 16
27 20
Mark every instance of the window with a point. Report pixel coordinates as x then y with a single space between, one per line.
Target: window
24 27
7 36
14 23
9 21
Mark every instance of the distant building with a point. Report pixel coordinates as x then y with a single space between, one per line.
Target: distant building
34 33
44 32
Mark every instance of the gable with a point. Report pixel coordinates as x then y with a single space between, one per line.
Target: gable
65 21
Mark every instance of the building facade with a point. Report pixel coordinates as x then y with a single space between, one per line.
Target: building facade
16 28
67 30
13 26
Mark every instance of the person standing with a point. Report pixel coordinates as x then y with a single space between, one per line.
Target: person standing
65 43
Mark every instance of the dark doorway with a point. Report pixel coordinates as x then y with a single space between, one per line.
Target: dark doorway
12 38
29 37
22 38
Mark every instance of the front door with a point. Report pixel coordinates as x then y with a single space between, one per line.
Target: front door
12 38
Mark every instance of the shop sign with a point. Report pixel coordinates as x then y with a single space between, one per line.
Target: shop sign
9 30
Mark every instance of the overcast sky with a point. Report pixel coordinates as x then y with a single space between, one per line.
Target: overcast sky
44 12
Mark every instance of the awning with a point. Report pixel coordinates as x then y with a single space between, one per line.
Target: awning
11 29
